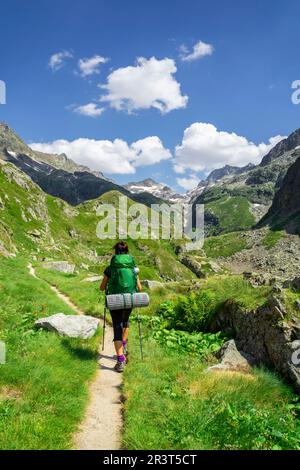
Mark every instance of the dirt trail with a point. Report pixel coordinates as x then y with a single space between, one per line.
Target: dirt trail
101 426
59 294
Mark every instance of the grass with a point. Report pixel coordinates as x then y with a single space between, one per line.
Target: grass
224 245
172 403
233 212
172 391
85 295
271 239
238 289
43 385
292 300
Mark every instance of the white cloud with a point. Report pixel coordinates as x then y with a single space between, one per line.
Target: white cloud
204 148
110 157
148 84
90 66
188 183
200 49
150 151
57 61
90 109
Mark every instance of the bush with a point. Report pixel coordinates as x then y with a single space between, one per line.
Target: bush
190 313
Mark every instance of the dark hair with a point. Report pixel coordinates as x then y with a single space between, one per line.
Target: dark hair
121 248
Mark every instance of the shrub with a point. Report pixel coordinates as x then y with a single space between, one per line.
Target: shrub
190 313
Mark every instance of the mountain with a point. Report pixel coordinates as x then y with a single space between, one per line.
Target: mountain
12 144
217 175
35 224
158 190
286 145
240 200
58 175
285 209
227 170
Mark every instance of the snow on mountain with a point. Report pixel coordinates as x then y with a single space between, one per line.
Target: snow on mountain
159 190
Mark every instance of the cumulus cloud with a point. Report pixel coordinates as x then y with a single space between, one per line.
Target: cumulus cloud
148 84
150 151
58 60
204 148
188 183
111 157
90 109
200 49
90 66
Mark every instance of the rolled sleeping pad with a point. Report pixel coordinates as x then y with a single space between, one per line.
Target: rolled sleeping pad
120 301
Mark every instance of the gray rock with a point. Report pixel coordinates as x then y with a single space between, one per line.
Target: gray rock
193 265
93 279
151 284
73 326
232 359
61 266
35 233
214 266
84 266
73 233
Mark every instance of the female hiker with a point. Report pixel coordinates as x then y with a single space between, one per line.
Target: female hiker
121 278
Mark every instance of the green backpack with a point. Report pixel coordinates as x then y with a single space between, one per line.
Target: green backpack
122 279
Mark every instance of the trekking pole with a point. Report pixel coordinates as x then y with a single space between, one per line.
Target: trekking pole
140 335
104 326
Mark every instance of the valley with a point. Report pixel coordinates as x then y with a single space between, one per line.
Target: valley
248 266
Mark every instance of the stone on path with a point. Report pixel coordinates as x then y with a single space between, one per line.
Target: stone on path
73 326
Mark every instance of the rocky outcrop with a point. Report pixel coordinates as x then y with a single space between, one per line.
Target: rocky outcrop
232 359
61 266
285 145
73 326
287 200
58 175
227 170
264 334
193 265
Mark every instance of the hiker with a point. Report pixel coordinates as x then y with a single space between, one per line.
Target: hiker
119 278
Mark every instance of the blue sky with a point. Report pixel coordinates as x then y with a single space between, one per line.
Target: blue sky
242 86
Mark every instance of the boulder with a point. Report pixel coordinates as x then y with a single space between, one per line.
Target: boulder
35 233
72 326
193 265
84 266
61 266
232 359
151 284
93 279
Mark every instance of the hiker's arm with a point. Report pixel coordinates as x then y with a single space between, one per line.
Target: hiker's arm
104 283
139 285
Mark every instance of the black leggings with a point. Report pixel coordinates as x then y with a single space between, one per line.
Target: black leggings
120 319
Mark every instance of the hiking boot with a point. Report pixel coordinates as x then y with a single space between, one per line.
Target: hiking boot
120 366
